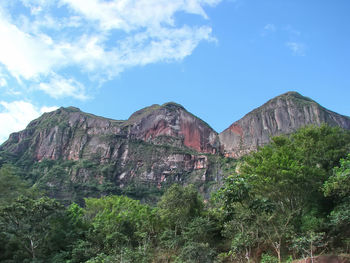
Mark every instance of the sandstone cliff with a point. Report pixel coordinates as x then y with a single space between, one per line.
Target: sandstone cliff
72 154
281 115
156 145
69 133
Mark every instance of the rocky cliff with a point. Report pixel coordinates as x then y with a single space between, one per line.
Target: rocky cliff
281 115
72 154
157 145
71 134
172 123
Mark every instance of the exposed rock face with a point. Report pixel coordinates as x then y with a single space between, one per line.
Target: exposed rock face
158 144
68 149
64 134
157 123
68 133
281 115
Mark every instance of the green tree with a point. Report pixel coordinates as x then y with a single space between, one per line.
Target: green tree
338 187
179 205
11 185
119 227
199 240
278 190
308 242
338 184
35 229
177 208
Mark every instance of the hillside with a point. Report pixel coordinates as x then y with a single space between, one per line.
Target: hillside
288 200
72 154
92 155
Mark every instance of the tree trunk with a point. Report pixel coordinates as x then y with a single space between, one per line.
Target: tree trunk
277 247
32 248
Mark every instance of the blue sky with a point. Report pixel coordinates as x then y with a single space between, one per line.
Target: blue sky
220 59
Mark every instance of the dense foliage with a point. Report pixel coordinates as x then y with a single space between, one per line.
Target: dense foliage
288 200
279 202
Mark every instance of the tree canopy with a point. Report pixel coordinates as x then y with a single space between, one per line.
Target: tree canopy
288 200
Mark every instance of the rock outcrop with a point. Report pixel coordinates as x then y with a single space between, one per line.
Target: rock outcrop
71 134
281 115
156 145
171 122
68 151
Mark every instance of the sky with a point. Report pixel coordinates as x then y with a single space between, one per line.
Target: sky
220 59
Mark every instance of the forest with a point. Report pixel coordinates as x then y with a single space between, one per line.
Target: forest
289 200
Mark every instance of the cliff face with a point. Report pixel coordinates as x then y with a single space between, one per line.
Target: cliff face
171 122
156 145
68 151
281 115
70 134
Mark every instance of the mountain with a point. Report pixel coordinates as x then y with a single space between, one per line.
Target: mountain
281 115
72 154
156 146
71 134
171 123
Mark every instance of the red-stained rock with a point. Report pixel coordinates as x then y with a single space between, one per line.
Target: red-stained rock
158 145
235 128
172 124
159 128
192 137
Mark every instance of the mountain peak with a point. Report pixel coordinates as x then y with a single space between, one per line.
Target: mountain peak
138 115
283 114
173 105
160 124
71 109
291 94
294 95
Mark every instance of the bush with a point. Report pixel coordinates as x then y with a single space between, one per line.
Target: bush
267 258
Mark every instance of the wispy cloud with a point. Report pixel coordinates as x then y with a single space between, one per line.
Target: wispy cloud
269 28
295 43
291 38
42 41
298 49
59 87
15 116
3 82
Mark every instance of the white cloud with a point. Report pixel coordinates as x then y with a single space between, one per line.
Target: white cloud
59 87
97 38
161 45
3 82
25 55
130 14
15 116
297 48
